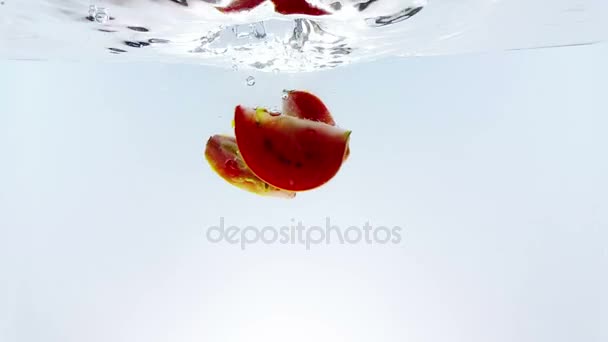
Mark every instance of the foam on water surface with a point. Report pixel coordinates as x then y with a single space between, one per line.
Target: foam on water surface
194 31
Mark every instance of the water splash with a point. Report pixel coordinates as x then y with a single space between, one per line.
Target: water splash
185 31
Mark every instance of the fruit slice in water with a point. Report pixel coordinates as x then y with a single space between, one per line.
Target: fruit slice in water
223 155
297 7
240 6
285 7
305 105
287 152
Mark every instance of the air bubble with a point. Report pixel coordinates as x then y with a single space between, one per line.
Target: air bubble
92 11
138 28
158 41
258 30
100 14
255 30
102 17
250 81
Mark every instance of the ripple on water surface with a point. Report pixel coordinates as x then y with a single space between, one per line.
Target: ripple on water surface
187 31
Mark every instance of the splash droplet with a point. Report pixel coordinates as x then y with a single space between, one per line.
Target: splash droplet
250 81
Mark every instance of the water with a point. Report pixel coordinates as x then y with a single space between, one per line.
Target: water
493 164
356 31
99 14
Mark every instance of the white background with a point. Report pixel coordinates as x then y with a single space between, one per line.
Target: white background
494 165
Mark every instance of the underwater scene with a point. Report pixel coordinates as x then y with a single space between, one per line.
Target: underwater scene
303 170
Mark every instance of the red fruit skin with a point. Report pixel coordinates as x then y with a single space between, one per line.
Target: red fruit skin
224 158
240 6
305 105
289 153
287 7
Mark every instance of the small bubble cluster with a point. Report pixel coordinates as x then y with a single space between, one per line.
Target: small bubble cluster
255 30
99 14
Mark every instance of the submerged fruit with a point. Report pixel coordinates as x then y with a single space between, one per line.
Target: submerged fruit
297 7
285 7
223 155
240 6
277 154
288 152
305 105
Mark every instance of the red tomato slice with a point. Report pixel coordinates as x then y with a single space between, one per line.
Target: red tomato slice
223 155
287 152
